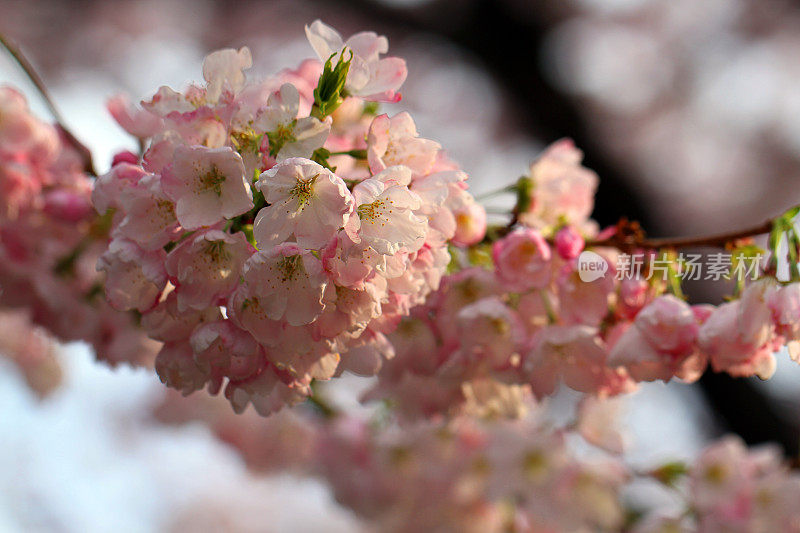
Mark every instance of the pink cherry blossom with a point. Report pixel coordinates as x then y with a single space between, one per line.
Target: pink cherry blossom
598 423
138 122
415 345
167 101
206 267
221 348
354 275
634 294
203 126
22 133
267 392
522 260
738 336
292 136
574 354
223 71
563 190
395 141
349 263
305 200
149 215
384 217
721 481
784 302
367 356
456 292
17 189
70 206
301 360
207 185
442 194
470 218
352 309
661 343
165 323
488 398
669 325
177 369
134 277
245 309
583 302
288 283
490 333
32 351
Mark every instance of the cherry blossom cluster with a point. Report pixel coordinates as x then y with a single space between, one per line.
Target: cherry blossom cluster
466 476
526 319
279 232
50 239
731 488
461 475
472 474
273 232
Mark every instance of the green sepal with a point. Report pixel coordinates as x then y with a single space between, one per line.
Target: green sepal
330 91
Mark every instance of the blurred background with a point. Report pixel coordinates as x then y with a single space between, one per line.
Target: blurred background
688 110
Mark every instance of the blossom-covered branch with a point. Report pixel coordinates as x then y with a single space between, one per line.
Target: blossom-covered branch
274 234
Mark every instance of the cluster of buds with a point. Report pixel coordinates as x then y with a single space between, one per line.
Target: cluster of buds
273 232
50 238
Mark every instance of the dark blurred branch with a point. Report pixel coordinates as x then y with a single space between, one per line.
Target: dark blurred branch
37 81
509 46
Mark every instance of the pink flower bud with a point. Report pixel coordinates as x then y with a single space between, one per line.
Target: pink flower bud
569 243
125 156
470 224
69 206
633 296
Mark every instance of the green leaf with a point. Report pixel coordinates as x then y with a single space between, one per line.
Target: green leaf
791 213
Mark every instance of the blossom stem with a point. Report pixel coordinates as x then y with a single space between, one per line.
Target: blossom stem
320 404
37 81
357 154
496 211
496 192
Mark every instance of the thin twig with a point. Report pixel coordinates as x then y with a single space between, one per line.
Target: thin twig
629 236
30 71
497 192
636 239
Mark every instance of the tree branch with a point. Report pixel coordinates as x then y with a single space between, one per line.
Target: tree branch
30 71
629 235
